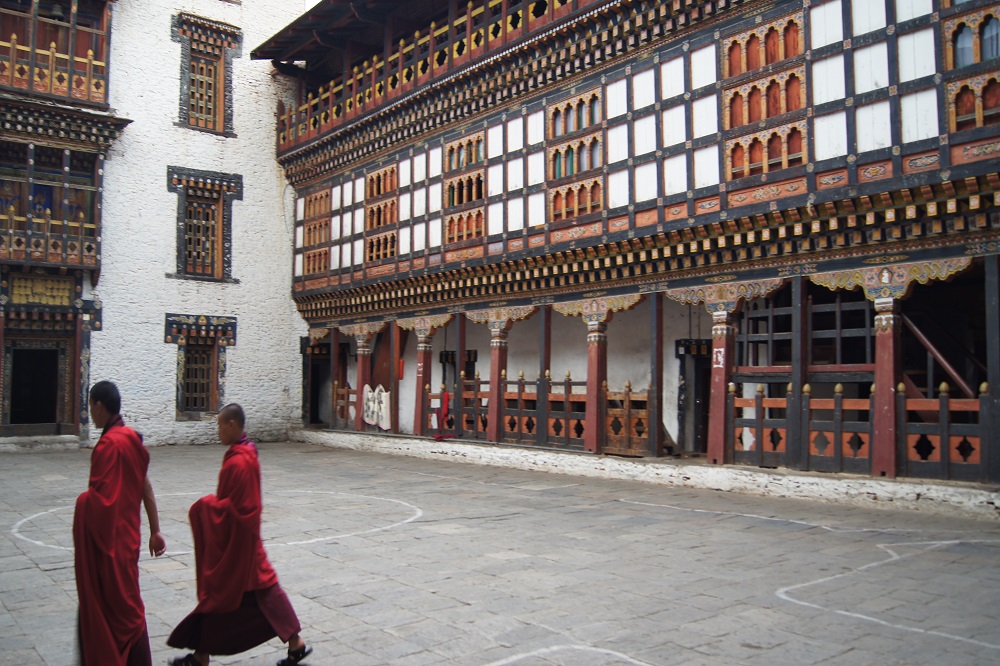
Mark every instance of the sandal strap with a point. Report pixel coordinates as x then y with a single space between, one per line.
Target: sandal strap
296 656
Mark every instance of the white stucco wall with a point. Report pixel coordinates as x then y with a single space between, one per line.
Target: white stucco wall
139 226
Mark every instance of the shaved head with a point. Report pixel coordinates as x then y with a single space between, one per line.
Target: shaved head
233 412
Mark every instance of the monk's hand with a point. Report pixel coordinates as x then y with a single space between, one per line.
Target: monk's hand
157 544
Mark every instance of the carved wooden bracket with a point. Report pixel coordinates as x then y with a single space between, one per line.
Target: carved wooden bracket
423 326
723 298
596 310
892 281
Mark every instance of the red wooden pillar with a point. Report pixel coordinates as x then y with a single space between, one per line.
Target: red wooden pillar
424 360
723 337
364 378
498 384
888 350
597 374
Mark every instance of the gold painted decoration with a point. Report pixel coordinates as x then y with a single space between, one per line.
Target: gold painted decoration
724 297
316 334
364 329
499 319
25 289
596 310
423 325
892 281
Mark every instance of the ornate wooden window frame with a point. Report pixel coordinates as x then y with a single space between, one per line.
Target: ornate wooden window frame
220 331
204 38
204 185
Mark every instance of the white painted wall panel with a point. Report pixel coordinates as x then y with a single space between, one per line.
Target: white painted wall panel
359 220
299 232
536 209
419 236
916 55
703 67
515 214
536 168
515 134
830 132
298 265
404 175
873 126
434 233
434 199
920 115
515 175
616 99
826 24
335 227
645 135
672 78
419 170
867 15
706 166
705 116
335 197
300 209
419 202
907 9
359 189
828 79
871 68
536 128
674 122
643 89
494 180
675 174
404 206
434 162
494 218
617 143
646 181
494 141
618 189
335 257
404 240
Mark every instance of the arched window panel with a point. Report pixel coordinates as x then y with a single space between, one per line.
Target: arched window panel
753 53
991 102
570 116
594 110
962 46
558 206
791 34
772 46
989 39
452 195
735 112
595 154
571 203
773 99
774 150
737 159
557 164
558 128
755 105
595 197
794 94
756 157
965 109
735 58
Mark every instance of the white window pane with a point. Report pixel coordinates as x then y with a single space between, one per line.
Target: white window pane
404 173
828 79
536 209
515 134
494 180
515 175
335 227
359 190
616 98
674 126
675 174
645 130
536 127
873 126
335 257
359 220
404 240
706 166
494 218
867 15
404 206
434 198
703 66
358 253
299 232
645 182
300 209
345 255
916 55
419 237
434 165
515 214
298 265
920 115
705 115
643 89
672 78
907 9
871 68
434 228
827 24
494 141
617 143
830 134
536 168
348 194
335 197
419 202
348 225
618 190
419 167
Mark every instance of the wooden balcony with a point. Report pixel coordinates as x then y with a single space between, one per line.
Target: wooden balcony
44 241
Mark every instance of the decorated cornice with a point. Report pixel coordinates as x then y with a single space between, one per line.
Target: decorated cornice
892 281
724 297
423 326
362 330
596 310
49 123
500 318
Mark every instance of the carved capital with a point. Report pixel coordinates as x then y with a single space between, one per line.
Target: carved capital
597 310
723 298
425 326
891 281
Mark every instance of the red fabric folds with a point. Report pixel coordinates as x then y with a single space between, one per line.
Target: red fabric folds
106 540
229 554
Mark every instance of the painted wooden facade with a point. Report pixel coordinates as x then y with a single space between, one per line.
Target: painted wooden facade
819 176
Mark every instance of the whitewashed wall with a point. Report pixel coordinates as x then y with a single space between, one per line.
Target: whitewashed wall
139 227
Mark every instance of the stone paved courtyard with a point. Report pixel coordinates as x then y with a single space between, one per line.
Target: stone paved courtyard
395 560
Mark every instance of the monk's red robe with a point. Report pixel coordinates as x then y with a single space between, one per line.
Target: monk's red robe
106 540
240 603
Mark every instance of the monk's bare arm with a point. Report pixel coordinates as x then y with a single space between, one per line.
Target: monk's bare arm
157 544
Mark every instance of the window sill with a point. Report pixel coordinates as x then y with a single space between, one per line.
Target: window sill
201 278
229 134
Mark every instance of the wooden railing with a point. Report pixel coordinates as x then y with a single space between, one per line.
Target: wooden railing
45 240
344 405
487 26
472 409
626 421
952 446
49 71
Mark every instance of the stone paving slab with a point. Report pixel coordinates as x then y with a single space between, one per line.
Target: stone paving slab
399 560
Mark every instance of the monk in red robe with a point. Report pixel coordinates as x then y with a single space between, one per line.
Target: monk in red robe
240 603
106 540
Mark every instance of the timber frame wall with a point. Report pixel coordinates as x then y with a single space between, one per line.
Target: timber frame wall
917 205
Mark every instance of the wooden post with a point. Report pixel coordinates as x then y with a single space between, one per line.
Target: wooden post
397 353
424 360
597 374
498 381
364 379
888 350
797 430
544 374
991 450
654 444
723 334
334 369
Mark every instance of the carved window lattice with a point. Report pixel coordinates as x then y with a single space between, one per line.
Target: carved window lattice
380 214
764 45
576 199
465 152
575 114
381 182
203 236
381 247
317 261
766 151
972 38
462 190
573 157
764 98
464 226
208 77
974 102
200 376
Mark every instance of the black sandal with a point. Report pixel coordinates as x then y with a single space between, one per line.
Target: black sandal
186 660
294 656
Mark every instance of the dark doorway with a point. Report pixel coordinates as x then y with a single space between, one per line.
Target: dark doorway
34 386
